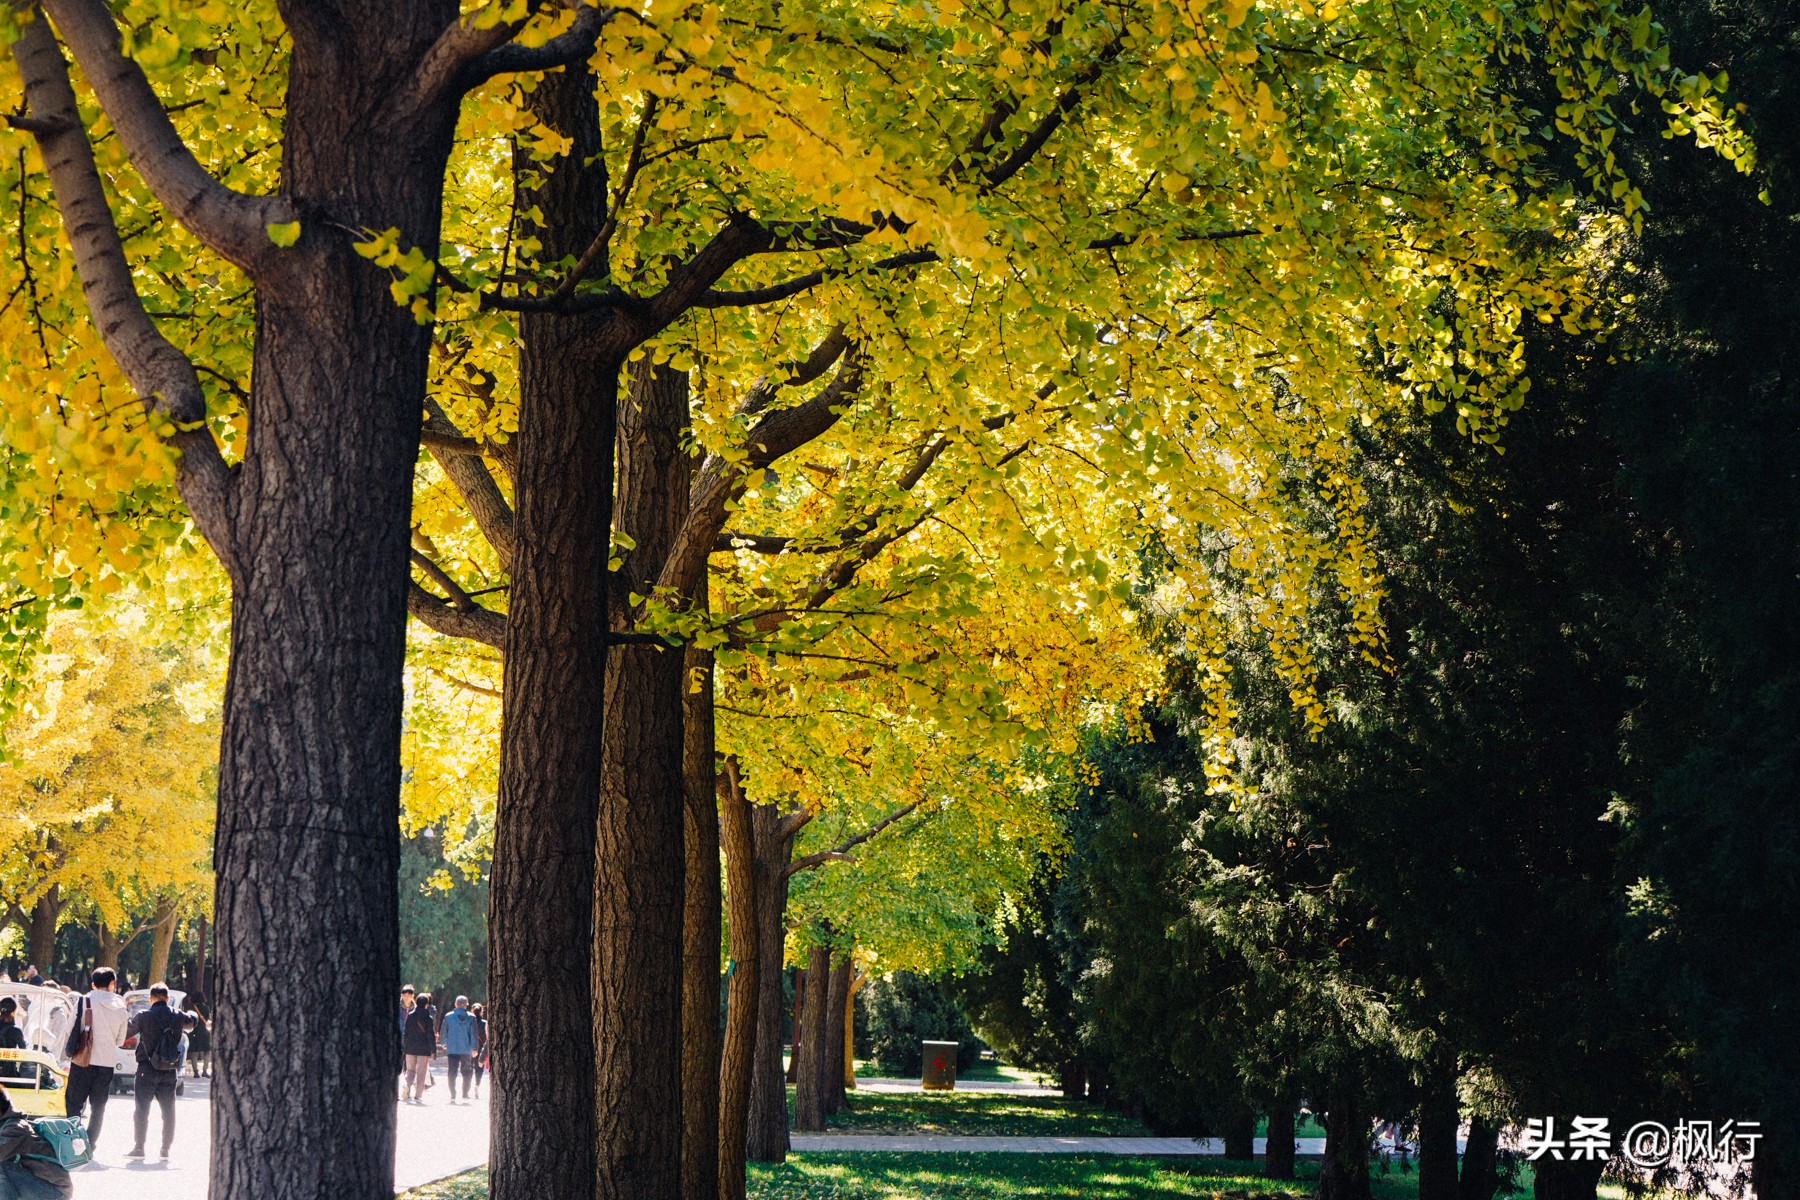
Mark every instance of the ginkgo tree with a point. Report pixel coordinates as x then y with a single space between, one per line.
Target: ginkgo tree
1273 211
1320 210
107 785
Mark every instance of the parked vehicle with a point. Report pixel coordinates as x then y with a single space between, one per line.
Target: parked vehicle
35 1077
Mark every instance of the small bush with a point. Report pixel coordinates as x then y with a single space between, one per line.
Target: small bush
902 1011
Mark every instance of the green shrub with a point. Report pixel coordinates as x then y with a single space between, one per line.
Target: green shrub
902 1011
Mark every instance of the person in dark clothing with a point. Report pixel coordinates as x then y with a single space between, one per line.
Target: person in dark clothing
481 1052
419 1041
199 1037
25 1173
11 1036
155 1083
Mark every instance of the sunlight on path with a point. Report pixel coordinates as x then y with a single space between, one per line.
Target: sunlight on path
435 1140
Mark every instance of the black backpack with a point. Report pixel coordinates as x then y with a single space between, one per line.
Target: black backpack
170 1048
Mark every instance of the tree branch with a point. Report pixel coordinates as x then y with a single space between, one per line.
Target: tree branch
719 482
1052 120
230 223
841 852
566 49
803 283
162 376
441 577
475 623
459 458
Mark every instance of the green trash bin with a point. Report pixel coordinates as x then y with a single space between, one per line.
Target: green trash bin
940 1067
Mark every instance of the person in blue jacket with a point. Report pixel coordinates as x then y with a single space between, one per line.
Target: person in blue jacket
462 1040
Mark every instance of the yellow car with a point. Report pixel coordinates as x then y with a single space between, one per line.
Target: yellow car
36 1077
33 1082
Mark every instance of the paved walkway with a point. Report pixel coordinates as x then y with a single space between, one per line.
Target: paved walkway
434 1139
1008 1086
951 1144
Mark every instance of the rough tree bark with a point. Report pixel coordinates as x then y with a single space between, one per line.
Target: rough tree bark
1344 1175
702 910
856 985
110 946
738 1060
797 1026
639 872
767 1140
202 935
837 1005
1278 1151
40 939
813 1048
541 901
1480 1172
162 939
312 527
1437 1132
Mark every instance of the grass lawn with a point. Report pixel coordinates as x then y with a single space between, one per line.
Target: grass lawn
977 1114
1305 1127
1014 1176
998 1177
984 1071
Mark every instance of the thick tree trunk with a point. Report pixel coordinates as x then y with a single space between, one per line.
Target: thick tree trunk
1480 1176
639 868
1437 1133
1240 1132
162 939
797 1026
856 985
41 932
1567 1180
1072 1080
202 933
702 911
837 1006
768 1134
313 526
541 901
109 946
1278 1149
307 845
738 1060
1344 1175
812 1049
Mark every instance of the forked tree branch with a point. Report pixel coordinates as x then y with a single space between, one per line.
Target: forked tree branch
162 376
564 50
475 623
841 851
230 223
719 482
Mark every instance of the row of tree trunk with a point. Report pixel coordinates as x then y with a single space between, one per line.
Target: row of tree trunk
41 921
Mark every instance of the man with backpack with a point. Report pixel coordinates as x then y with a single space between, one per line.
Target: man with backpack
161 1038
94 1043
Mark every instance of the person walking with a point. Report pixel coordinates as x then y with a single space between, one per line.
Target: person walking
419 1041
160 1037
462 1041
103 1018
481 1044
199 1037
